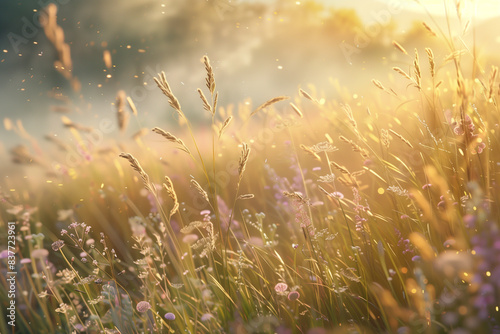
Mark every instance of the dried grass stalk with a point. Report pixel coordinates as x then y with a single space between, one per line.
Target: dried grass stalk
7 123
55 34
348 181
416 65
60 109
403 73
121 114
141 133
165 88
72 125
171 138
356 148
426 251
296 196
378 84
60 144
106 57
245 153
493 77
132 106
206 104
384 136
210 81
399 47
216 99
21 155
310 151
297 110
342 169
307 95
432 65
169 187
246 196
269 102
137 167
225 125
348 112
429 29
407 142
200 190
455 55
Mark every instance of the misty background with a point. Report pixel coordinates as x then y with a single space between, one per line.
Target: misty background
259 50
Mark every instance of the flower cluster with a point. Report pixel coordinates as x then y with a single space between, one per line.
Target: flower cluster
466 127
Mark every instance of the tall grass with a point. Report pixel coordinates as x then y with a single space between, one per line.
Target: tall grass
373 215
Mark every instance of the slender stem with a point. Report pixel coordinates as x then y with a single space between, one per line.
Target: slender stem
84 287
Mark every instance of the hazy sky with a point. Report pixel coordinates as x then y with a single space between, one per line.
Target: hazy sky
482 8
255 54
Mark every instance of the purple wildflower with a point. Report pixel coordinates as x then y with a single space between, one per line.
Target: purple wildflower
143 306
170 316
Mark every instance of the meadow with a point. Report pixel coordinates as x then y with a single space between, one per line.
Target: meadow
368 213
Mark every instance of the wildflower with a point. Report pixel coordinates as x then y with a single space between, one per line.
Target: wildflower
40 253
63 232
457 129
67 276
479 148
451 263
62 215
323 147
404 330
359 223
206 317
80 328
469 220
398 190
15 210
25 261
449 243
143 306
4 254
57 245
257 241
293 295
63 308
43 294
170 316
337 194
280 287
327 178
442 203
